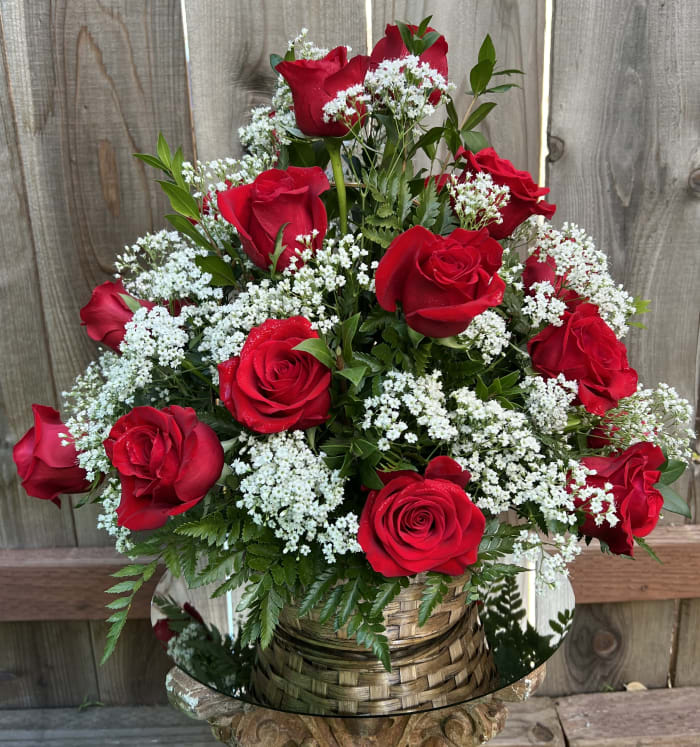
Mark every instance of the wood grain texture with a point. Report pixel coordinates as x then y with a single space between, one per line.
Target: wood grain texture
517 30
135 727
605 578
611 644
84 86
659 718
65 584
624 115
230 46
46 664
534 722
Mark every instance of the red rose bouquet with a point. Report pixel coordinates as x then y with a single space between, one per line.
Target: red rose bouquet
361 349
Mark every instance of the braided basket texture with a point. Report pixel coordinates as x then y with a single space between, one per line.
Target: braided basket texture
309 667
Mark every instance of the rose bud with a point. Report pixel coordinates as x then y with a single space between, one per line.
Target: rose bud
167 461
421 523
316 82
106 313
524 193
442 282
632 474
585 349
258 211
391 47
46 467
270 387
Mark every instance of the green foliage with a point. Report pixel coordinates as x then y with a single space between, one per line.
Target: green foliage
672 501
433 593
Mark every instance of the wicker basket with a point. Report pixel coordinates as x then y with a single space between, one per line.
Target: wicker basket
312 668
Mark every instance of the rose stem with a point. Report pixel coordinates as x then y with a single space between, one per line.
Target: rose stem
333 146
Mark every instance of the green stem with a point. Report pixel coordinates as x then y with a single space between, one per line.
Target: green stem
333 147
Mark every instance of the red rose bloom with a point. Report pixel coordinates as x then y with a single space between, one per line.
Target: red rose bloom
422 523
316 82
633 474
391 47
258 211
270 387
524 193
167 460
585 350
442 282
105 315
46 467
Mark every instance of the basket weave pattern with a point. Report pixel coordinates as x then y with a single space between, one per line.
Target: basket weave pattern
312 668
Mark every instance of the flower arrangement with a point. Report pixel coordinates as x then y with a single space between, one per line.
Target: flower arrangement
361 345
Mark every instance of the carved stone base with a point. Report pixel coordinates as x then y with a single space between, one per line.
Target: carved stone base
241 724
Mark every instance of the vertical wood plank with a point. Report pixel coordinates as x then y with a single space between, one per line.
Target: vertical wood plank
623 142
230 46
91 83
517 30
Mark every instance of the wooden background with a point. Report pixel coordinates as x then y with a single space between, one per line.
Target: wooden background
84 84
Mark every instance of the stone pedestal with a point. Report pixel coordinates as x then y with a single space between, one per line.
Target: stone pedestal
240 724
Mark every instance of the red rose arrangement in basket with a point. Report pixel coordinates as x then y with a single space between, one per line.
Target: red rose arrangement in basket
339 369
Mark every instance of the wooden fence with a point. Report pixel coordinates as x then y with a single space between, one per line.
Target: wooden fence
85 84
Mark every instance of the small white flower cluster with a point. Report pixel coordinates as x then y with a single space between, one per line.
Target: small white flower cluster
420 396
549 558
586 271
660 416
478 201
210 177
109 385
267 130
346 104
162 267
547 401
179 648
285 486
488 334
305 49
507 461
404 87
543 306
107 519
300 292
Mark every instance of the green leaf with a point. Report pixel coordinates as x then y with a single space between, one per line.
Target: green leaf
279 248
423 26
478 115
501 88
181 200
355 374
428 207
348 600
163 150
181 224
122 586
117 604
487 50
317 347
386 592
474 141
406 35
480 75
220 271
369 477
433 593
275 60
672 501
135 569
132 304
331 604
317 590
671 470
156 163
270 608
645 546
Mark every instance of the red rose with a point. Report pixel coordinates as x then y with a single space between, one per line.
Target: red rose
391 47
270 387
585 350
106 313
633 474
422 523
316 82
539 270
442 282
167 460
46 467
524 193
258 211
